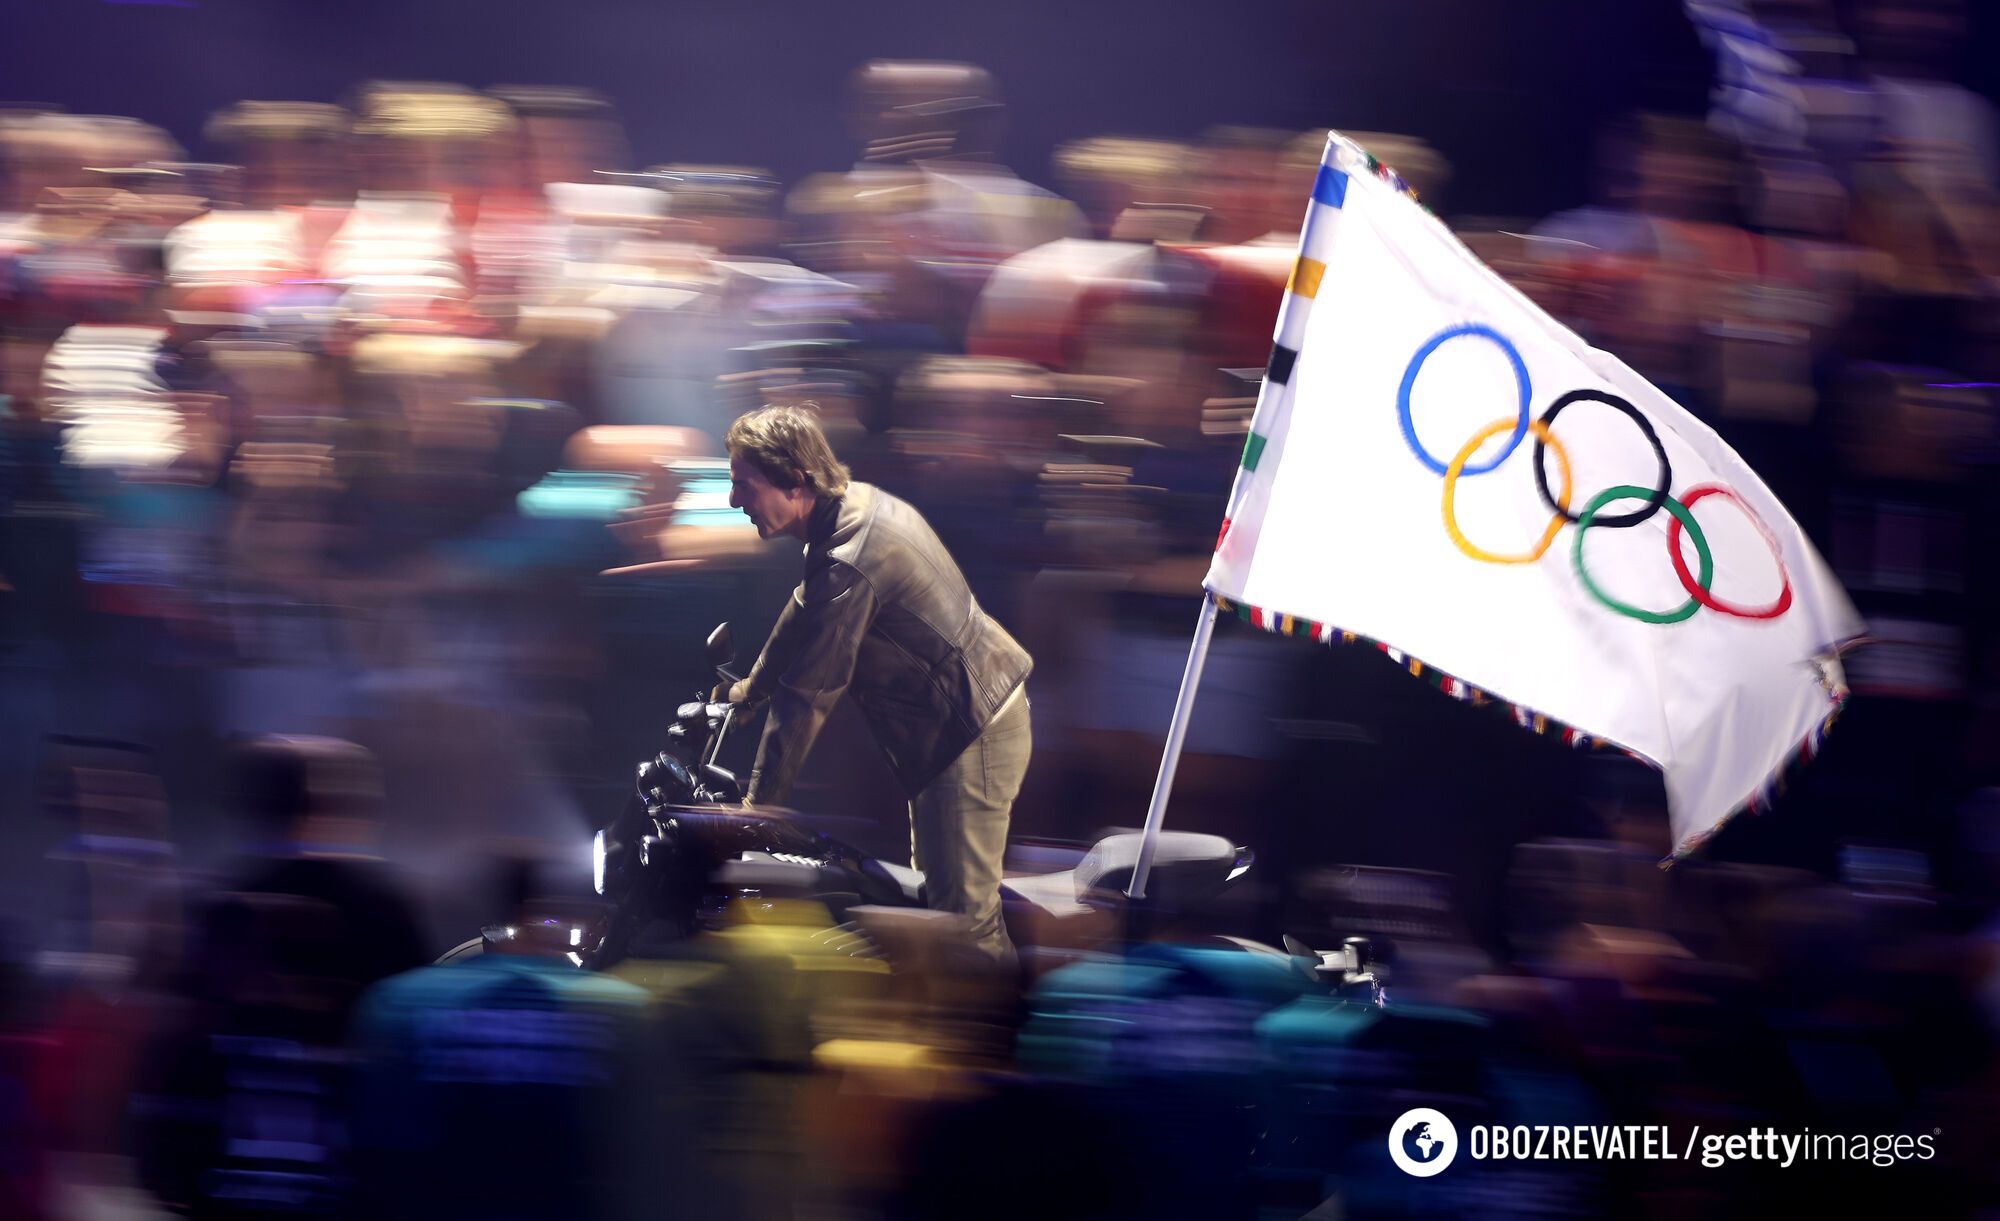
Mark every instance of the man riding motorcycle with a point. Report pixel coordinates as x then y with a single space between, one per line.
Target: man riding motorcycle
884 612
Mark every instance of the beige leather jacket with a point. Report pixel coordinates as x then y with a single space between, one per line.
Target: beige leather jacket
884 614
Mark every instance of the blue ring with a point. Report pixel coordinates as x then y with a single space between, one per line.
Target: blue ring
1410 382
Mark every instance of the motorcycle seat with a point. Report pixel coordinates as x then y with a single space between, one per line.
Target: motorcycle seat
1188 867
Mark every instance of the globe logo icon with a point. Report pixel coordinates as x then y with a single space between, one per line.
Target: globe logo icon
1422 1142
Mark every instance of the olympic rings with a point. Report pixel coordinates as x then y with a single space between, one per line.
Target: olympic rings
1699 589
1697 584
1542 437
1626 491
1666 477
1526 394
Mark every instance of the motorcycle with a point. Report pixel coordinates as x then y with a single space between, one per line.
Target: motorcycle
685 847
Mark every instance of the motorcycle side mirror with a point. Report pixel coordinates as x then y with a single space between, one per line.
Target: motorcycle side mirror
721 646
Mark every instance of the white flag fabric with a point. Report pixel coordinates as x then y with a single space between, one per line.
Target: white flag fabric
1438 468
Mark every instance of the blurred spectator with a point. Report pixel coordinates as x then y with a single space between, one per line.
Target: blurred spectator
243 1110
42 512
250 262
312 810
520 1052
1251 185
114 938
1908 49
945 211
1109 175
436 139
976 436
119 841
732 209
567 134
425 465
293 154
86 248
1664 253
712 311
1050 304
43 152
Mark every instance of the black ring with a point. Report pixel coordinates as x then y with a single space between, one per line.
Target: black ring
1611 520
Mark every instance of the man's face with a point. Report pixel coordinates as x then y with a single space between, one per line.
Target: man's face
772 509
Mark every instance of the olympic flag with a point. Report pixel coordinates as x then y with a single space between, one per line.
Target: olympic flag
1438 468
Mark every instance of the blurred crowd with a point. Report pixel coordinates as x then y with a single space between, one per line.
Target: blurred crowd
362 511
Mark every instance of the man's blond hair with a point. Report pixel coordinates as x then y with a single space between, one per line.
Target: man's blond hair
787 445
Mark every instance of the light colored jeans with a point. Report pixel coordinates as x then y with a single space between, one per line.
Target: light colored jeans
958 825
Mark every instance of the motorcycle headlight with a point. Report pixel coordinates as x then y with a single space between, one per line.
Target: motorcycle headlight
597 855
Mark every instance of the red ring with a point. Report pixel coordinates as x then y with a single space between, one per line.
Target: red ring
1695 591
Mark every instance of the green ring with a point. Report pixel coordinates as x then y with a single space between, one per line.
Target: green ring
1626 491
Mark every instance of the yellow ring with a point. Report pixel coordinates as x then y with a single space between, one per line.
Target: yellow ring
1451 485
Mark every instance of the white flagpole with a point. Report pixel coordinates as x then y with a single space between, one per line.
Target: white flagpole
1268 396
1156 813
